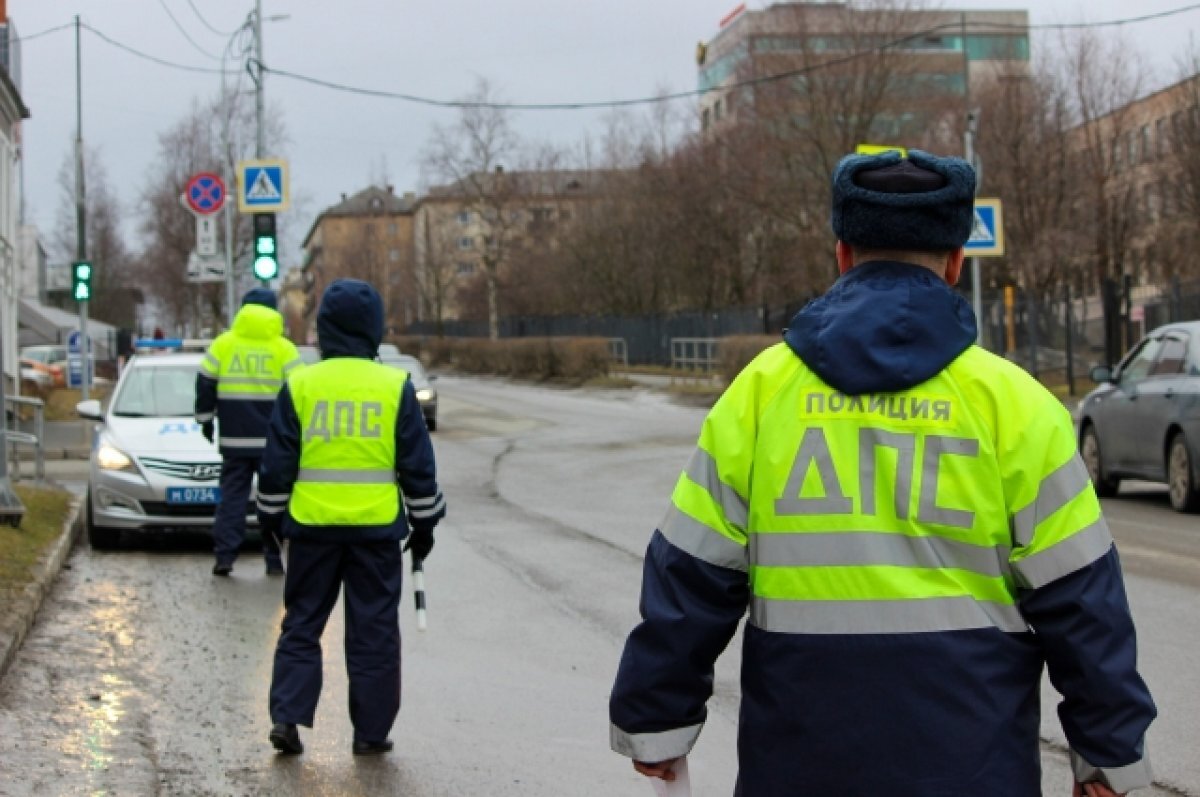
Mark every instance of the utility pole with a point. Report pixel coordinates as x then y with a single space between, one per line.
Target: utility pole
258 93
969 152
976 277
85 347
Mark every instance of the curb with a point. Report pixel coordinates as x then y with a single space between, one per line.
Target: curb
25 607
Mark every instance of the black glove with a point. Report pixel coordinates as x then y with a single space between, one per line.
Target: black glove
420 542
206 429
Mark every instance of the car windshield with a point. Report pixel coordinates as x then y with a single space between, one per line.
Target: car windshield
157 391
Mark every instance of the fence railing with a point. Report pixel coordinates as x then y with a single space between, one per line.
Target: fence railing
35 439
694 354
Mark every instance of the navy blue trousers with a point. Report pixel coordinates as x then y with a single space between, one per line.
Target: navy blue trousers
372 573
229 524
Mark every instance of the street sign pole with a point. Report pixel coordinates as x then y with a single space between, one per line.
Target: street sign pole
230 308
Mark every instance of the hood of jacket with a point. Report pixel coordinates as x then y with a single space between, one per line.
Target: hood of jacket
257 321
885 326
350 320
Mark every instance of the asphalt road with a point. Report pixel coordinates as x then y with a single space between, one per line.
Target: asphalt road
144 675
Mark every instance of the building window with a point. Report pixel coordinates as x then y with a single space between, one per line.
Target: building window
466 242
464 217
393 255
1161 137
466 269
1147 151
393 228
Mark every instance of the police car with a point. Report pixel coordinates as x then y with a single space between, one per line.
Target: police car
151 468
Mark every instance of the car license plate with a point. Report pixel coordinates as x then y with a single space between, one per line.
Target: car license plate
193 495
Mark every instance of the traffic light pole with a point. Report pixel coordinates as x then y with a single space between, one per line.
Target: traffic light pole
81 218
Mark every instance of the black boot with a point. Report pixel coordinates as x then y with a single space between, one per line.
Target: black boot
222 569
286 739
372 748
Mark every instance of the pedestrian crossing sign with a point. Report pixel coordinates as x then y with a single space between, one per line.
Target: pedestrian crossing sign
262 186
987 231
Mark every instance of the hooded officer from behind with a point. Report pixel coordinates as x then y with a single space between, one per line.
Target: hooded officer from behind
349 467
240 376
907 521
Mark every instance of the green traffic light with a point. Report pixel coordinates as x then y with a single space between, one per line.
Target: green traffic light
81 288
265 267
264 245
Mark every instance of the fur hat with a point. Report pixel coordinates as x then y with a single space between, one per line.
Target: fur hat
922 203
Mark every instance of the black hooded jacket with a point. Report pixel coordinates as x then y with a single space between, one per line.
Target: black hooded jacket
350 324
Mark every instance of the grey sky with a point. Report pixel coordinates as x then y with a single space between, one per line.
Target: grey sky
532 50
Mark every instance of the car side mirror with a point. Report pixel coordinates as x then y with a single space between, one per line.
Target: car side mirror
89 409
1101 374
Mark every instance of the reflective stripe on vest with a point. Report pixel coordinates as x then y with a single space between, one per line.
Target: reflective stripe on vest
348 410
919 511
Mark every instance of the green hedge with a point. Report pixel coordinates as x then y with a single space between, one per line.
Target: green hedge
574 359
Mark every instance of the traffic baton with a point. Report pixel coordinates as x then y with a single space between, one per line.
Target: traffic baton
418 574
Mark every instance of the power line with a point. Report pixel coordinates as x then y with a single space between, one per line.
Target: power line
627 102
45 32
647 100
184 32
146 56
206 23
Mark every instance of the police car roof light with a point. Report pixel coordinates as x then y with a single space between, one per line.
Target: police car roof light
171 344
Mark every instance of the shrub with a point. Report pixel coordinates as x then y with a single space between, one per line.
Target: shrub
575 359
736 351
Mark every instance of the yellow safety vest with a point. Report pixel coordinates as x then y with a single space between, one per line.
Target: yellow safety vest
922 510
348 408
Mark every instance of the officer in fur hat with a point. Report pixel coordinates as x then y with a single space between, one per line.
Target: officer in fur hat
907 522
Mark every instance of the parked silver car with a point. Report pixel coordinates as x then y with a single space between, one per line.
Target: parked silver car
1143 421
151 468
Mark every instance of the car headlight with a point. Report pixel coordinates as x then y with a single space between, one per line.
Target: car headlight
109 457
424 394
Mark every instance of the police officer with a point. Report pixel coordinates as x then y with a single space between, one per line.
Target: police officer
907 521
239 378
346 439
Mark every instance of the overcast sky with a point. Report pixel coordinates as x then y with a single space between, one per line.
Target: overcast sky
532 50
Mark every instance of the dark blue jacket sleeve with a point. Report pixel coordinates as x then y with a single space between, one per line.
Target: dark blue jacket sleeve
690 610
1086 631
206 398
415 465
280 463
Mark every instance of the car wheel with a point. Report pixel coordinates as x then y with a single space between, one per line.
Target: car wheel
1089 449
100 537
1181 482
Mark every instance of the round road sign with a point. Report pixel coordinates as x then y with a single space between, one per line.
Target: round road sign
204 193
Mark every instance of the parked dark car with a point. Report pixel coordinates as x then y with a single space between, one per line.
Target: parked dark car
390 355
422 383
1143 421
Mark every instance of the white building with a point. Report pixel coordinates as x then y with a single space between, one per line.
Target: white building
12 111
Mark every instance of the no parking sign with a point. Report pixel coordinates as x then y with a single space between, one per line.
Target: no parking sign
204 193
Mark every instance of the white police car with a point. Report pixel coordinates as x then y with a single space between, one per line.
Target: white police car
151 468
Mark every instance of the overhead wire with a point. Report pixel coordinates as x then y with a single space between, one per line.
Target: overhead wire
184 33
633 101
207 24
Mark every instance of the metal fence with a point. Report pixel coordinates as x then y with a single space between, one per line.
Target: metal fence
1057 338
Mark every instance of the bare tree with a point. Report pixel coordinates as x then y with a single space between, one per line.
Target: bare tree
470 157
115 290
195 143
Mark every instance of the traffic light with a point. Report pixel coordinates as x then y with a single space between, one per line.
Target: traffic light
266 261
81 281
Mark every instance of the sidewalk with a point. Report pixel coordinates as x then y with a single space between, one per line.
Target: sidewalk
63 440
